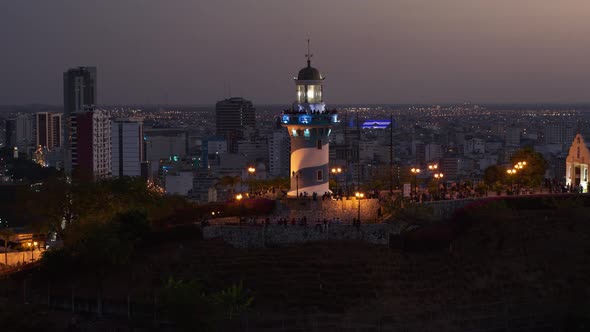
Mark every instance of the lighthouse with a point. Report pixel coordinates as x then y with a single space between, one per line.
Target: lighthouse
309 124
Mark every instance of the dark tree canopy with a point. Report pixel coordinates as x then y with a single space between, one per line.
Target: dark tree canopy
533 173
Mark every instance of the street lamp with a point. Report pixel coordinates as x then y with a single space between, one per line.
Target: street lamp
511 173
336 171
520 165
438 177
251 171
433 167
32 245
296 175
415 171
239 199
359 196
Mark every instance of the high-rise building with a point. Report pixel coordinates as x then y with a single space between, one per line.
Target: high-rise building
232 117
127 147
10 133
48 131
24 131
278 153
309 124
79 96
91 144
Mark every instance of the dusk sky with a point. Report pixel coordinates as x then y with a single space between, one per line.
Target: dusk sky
371 51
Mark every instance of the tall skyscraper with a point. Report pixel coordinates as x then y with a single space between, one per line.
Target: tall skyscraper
232 117
91 144
48 131
127 147
309 124
79 96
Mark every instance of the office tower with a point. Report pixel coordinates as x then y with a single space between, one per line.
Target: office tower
278 153
48 130
127 147
91 144
232 117
309 125
24 132
79 96
10 133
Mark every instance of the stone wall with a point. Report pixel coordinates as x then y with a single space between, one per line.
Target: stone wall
21 257
279 235
345 209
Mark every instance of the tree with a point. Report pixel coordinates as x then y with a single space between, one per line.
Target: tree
494 174
100 247
5 234
533 173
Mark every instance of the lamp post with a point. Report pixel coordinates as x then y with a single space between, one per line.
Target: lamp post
511 173
518 167
251 171
433 167
336 171
296 175
415 171
358 198
438 177
239 199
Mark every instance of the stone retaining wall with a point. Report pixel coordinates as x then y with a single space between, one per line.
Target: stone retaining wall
345 209
21 257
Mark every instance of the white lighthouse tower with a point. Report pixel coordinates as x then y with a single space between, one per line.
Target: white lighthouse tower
309 124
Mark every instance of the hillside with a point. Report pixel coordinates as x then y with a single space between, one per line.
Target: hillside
525 270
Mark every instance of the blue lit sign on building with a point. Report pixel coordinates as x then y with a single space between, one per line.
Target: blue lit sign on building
304 119
286 119
376 124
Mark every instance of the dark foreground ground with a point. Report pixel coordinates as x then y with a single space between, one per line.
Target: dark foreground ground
525 270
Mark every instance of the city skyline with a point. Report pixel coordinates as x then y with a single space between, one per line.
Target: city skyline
376 52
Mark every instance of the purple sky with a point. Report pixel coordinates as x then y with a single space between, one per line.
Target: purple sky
371 51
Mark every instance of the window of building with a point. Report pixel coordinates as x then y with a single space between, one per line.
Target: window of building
320 176
319 144
294 132
578 152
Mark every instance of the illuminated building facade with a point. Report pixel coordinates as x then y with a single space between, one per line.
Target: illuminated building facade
309 125
91 144
577 164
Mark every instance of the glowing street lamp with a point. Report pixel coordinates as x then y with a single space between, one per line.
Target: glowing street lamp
438 177
251 171
433 167
511 173
415 171
359 196
336 171
32 245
